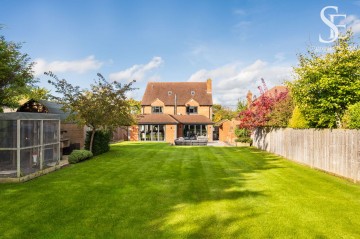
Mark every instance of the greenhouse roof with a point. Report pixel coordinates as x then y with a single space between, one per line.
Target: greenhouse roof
28 116
43 106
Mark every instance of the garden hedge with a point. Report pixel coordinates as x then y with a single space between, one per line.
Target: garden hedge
101 142
79 155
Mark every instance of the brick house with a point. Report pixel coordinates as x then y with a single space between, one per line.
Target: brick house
170 110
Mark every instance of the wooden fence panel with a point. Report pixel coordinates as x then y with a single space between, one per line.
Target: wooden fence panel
336 151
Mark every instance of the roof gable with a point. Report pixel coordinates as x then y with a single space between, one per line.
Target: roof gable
182 91
192 102
157 102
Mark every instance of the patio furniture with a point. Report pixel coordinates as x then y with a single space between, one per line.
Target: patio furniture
198 141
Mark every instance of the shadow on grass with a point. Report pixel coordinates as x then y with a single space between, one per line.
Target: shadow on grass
142 190
209 191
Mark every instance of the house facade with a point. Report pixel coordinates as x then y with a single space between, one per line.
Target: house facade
170 110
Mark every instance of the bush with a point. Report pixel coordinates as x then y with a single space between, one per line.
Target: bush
79 155
243 135
297 120
351 119
244 140
101 142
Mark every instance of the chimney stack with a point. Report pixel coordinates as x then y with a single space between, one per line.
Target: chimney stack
249 98
209 86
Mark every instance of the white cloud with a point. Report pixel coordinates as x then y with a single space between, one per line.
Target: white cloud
233 81
77 66
137 72
222 72
353 22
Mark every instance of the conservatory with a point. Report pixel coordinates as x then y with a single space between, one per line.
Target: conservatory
29 145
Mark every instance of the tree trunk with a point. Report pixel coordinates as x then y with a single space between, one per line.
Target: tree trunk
92 139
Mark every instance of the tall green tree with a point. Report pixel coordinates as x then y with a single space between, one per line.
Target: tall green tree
135 106
220 113
351 119
16 74
281 112
103 106
38 93
326 85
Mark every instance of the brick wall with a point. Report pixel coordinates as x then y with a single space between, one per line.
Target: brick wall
120 134
170 134
134 133
75 133
210 129
202 110
227 131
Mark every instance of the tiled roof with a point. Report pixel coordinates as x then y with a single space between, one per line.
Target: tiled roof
182 90
156 119
219 123
276 90
192 119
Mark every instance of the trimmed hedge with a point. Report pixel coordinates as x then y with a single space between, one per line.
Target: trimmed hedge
79 155
101 142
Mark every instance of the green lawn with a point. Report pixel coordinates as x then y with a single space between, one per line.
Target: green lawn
160 191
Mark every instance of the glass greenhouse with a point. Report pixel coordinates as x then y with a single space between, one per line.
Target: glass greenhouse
29 143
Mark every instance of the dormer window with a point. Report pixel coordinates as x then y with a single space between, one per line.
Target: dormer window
192 92
157 109
191 110
169 92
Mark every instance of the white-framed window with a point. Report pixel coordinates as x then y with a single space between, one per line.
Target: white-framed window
157 109
191 109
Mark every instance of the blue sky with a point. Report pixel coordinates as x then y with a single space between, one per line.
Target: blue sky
233 42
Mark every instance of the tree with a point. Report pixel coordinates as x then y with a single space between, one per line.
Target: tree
325 86
104 106
272 110
241 105
297 120
281 111
16 74
135 106
38 93
257 114
351 117
221 113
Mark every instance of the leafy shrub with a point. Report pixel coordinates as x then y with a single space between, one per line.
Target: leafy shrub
243 135
351 119
101 142
297 120
79 155
244 140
